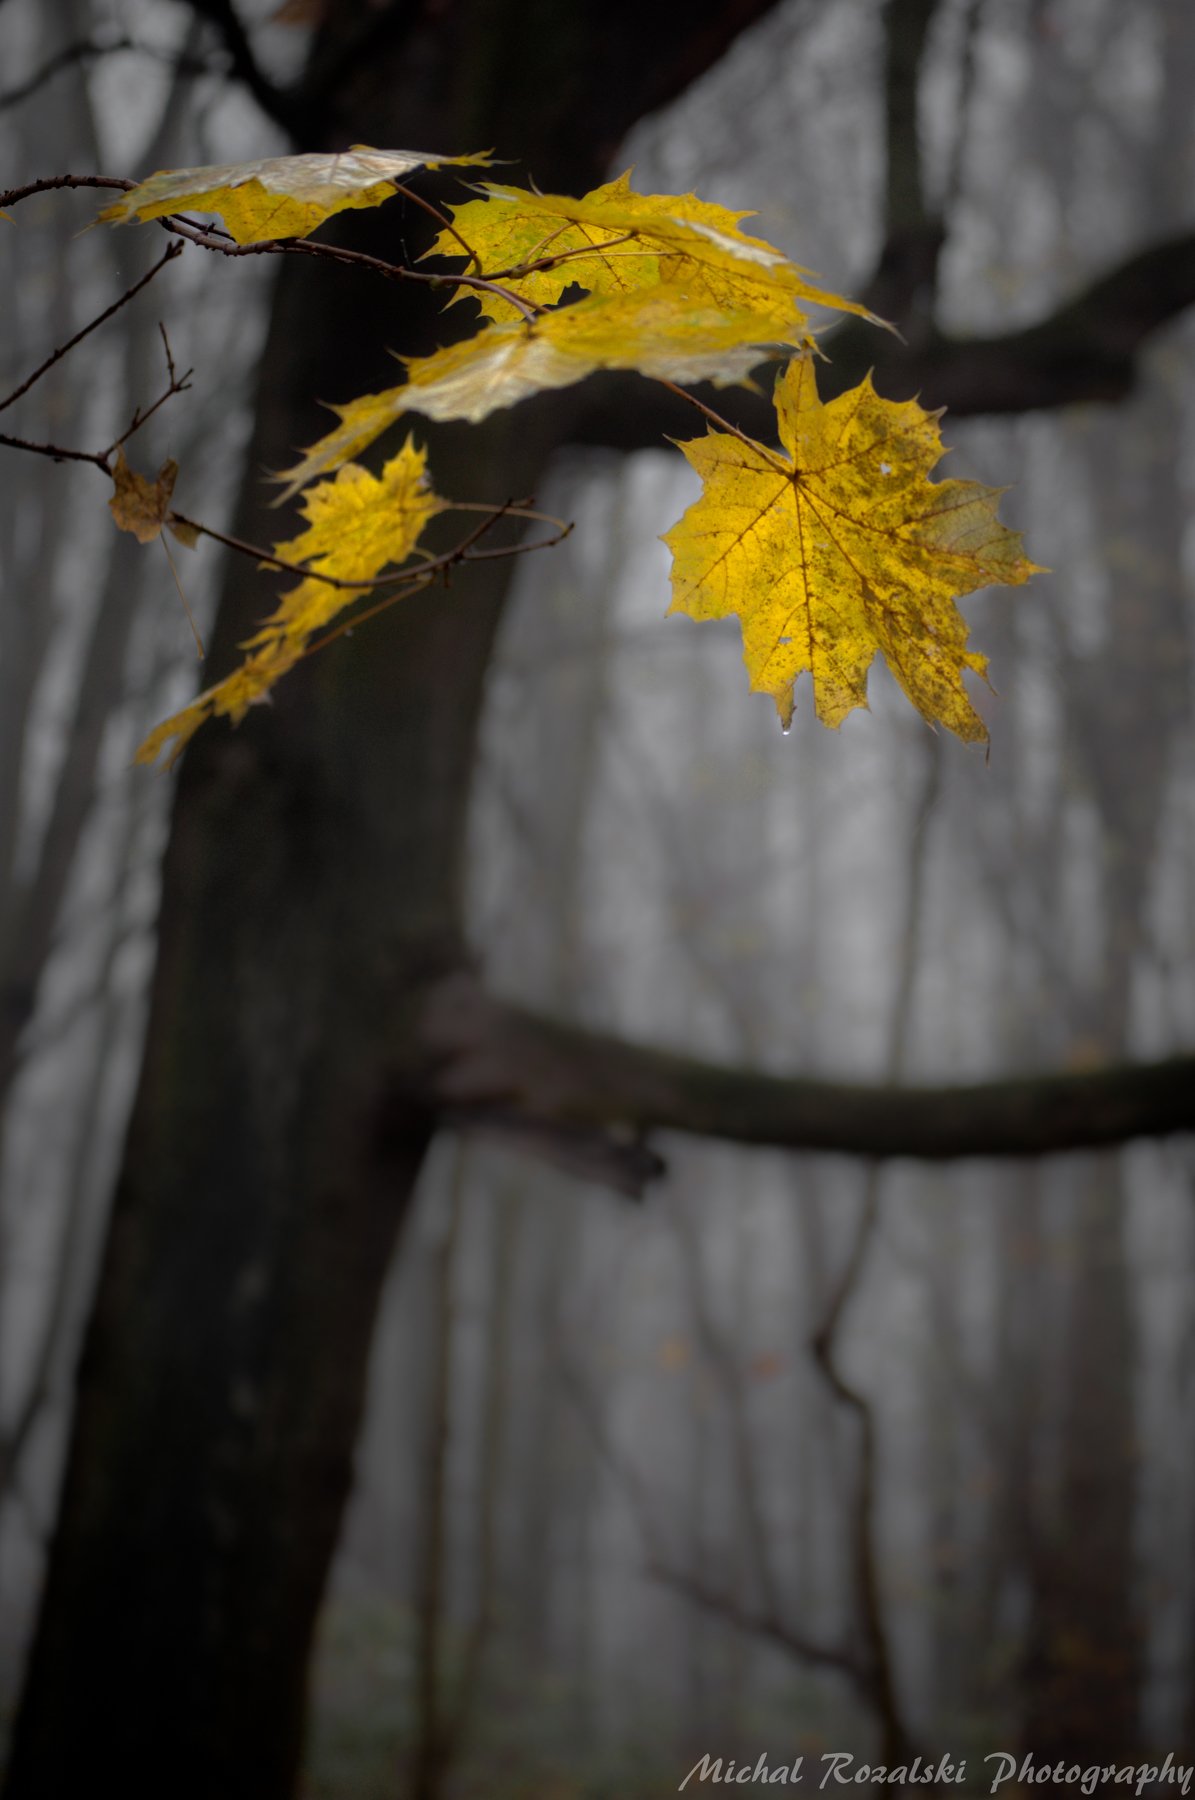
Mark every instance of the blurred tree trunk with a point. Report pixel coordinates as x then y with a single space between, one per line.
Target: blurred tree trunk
1129 702
312 884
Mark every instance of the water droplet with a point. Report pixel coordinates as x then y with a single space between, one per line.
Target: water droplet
885 468
784 730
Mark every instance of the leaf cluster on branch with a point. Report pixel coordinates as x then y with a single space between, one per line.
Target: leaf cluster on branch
829 549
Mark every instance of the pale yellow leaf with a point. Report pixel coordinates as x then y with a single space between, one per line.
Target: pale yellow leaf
278 196
660 331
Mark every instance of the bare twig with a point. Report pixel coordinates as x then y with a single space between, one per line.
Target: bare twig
50 183
58 452
171 252
176 384
416 572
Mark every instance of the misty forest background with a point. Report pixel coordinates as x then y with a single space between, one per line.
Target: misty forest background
805 1453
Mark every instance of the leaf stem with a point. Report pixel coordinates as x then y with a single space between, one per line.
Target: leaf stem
777 462
442 219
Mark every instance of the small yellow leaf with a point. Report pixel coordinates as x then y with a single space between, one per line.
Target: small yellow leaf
360 522
614 241
140 505
358 525
840 547
660 331
279 196
187 535
230 699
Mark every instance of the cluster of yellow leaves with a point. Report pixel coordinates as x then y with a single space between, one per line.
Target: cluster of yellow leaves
279 196
615 241
357 526
674 290
656 331
842 546
831 549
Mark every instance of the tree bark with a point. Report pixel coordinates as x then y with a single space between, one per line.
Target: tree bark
312 885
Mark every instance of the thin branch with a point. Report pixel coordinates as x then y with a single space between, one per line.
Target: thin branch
57 452
175 384
50 183
171 252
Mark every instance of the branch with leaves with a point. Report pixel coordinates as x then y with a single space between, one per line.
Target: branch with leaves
830 548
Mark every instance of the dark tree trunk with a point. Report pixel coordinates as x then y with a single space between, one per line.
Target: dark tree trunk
312 886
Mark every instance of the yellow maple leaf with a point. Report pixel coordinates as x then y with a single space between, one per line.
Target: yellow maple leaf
360 522
614 241
842 546
357 525
278 196
138 504
660 331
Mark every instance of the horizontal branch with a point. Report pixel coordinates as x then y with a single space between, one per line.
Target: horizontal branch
496 1063
1085 351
